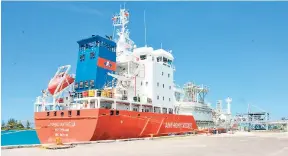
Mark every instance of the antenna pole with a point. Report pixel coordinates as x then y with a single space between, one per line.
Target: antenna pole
145 27
113 32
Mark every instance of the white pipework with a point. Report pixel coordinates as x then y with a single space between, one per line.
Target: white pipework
219 106
229 100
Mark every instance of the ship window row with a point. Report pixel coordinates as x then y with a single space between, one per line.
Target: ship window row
142 83
94 44
162 98
155 110
164 60
159 59
162 85
163 74
84 84
82 56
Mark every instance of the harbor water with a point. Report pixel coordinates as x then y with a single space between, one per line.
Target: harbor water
24 137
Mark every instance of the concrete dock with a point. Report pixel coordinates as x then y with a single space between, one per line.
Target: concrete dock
239 144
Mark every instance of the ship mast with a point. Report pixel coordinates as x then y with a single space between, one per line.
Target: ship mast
124 44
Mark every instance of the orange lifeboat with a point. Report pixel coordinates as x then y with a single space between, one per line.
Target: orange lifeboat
57 81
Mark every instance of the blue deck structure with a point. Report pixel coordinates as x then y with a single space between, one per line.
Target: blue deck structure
96 57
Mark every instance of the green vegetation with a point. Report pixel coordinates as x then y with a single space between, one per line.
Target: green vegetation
13 124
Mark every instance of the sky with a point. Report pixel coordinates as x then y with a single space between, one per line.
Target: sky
238 49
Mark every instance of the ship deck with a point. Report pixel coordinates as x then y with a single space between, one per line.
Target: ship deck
239 144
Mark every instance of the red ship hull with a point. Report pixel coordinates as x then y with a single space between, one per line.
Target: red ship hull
101 124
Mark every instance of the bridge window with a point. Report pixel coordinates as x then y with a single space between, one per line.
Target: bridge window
89 46
157 84
92 55
163 98
82 57
86 84
76 85
165 59
81 84
157 97
78 112
81 48
168 75
91 83
170 111
85 46
164 110
143 57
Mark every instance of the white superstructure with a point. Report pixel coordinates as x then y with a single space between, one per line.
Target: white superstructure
143 72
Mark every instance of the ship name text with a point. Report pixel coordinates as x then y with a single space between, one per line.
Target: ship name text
178 125
62 124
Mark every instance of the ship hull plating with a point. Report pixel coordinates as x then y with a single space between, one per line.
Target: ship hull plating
105 124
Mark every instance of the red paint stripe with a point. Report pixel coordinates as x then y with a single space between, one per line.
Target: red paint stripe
106 64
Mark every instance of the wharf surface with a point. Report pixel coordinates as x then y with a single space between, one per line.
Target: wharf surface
238 144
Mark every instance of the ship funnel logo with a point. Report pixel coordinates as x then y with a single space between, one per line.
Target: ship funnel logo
108 64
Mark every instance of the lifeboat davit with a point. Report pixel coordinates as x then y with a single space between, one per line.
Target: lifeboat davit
57 81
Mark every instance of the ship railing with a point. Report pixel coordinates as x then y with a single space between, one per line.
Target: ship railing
39 100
